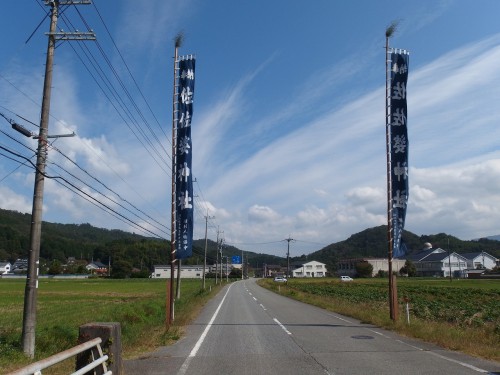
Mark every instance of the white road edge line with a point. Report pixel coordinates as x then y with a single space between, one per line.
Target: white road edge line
477 369
186 363
282 326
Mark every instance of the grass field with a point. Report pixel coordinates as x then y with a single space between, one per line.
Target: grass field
460 315
139 305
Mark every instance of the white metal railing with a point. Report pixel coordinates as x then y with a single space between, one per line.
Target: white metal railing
100 360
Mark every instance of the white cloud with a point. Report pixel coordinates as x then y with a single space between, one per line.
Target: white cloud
341 154
262 214
10 200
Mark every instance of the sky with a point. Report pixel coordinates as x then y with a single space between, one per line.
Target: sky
288 124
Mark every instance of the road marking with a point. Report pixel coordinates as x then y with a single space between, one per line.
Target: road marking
261 305
338 317
433 353
186 363
282 326
459 362
379 333
254 298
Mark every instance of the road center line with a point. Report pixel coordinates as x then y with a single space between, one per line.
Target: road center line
282 326
186 363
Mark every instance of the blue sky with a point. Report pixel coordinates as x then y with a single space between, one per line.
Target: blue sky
288 123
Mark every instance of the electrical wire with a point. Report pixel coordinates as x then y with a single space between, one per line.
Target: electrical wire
117 97
80 180
91 58
106 187
103 205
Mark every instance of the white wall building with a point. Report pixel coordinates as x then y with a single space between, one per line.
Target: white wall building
309 269
187 272
481 260
347 267
4 267
437 262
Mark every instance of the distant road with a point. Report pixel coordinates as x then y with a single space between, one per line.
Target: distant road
249 330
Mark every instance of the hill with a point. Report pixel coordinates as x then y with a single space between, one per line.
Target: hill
83 241
255 259
495 238
372 242
129 251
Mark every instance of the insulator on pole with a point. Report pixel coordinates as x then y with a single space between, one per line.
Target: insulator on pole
21 129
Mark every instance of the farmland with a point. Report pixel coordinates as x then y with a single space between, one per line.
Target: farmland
63 305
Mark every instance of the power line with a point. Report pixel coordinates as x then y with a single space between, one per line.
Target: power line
121 103
77 178
106 187
130 73
80 191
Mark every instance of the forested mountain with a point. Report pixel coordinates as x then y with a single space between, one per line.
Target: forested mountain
127 251
254 259
372 242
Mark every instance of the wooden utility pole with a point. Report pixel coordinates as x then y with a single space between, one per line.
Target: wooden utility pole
217 258
288 256
206 245
178 283
30 294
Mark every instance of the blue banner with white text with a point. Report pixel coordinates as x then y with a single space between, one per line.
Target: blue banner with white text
183 179
399 146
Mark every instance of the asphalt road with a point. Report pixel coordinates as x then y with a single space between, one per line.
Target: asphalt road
249 330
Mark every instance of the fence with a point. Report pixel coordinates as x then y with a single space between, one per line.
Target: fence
93 345
89 354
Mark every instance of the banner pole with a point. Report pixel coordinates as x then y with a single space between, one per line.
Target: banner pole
178 42
388 33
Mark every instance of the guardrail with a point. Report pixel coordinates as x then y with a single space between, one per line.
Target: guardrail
99 360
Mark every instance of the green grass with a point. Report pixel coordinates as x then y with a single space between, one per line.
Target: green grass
139 305
461 315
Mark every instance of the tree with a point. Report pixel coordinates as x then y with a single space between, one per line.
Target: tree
121 269
364 269
235 273
4 255
55 268
408 269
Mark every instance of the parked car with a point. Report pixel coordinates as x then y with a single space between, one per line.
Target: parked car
345 278
280 279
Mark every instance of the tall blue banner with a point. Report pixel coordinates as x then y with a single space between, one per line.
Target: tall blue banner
399 147
183 161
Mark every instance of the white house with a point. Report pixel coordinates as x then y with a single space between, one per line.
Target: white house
347 267
481 260
437 262
4 267
309 269
97 268
187 272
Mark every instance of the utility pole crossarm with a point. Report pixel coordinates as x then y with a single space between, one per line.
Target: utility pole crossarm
76 35
70 2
